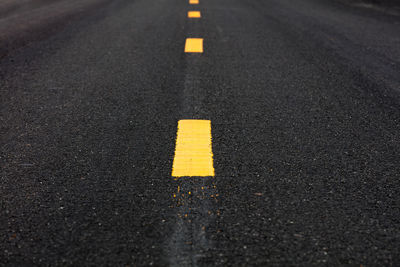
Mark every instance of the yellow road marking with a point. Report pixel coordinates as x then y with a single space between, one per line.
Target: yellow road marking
194 2
194 14
193 151
194 45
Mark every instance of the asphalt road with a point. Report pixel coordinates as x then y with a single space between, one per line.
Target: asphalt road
304 103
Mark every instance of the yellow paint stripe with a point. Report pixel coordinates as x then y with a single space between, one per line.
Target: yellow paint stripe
194 2
193 151
194 45
194 14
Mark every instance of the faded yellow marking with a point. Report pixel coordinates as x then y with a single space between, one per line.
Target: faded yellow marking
193 151
194 45
194 14
194 2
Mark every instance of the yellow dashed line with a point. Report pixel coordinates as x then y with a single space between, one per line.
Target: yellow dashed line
193 151
194 14
194 2
194 45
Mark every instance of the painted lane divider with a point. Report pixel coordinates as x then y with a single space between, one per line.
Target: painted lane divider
194 45
194 2
193 151
194 14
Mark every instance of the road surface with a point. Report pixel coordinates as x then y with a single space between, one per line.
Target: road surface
299 101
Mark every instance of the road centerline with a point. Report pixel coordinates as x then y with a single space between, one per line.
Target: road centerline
194 14
193 152
194 45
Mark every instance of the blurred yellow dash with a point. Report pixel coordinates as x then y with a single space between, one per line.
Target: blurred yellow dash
194 2
193 151
194 14
194 45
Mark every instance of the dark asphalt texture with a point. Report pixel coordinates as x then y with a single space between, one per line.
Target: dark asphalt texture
304 100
